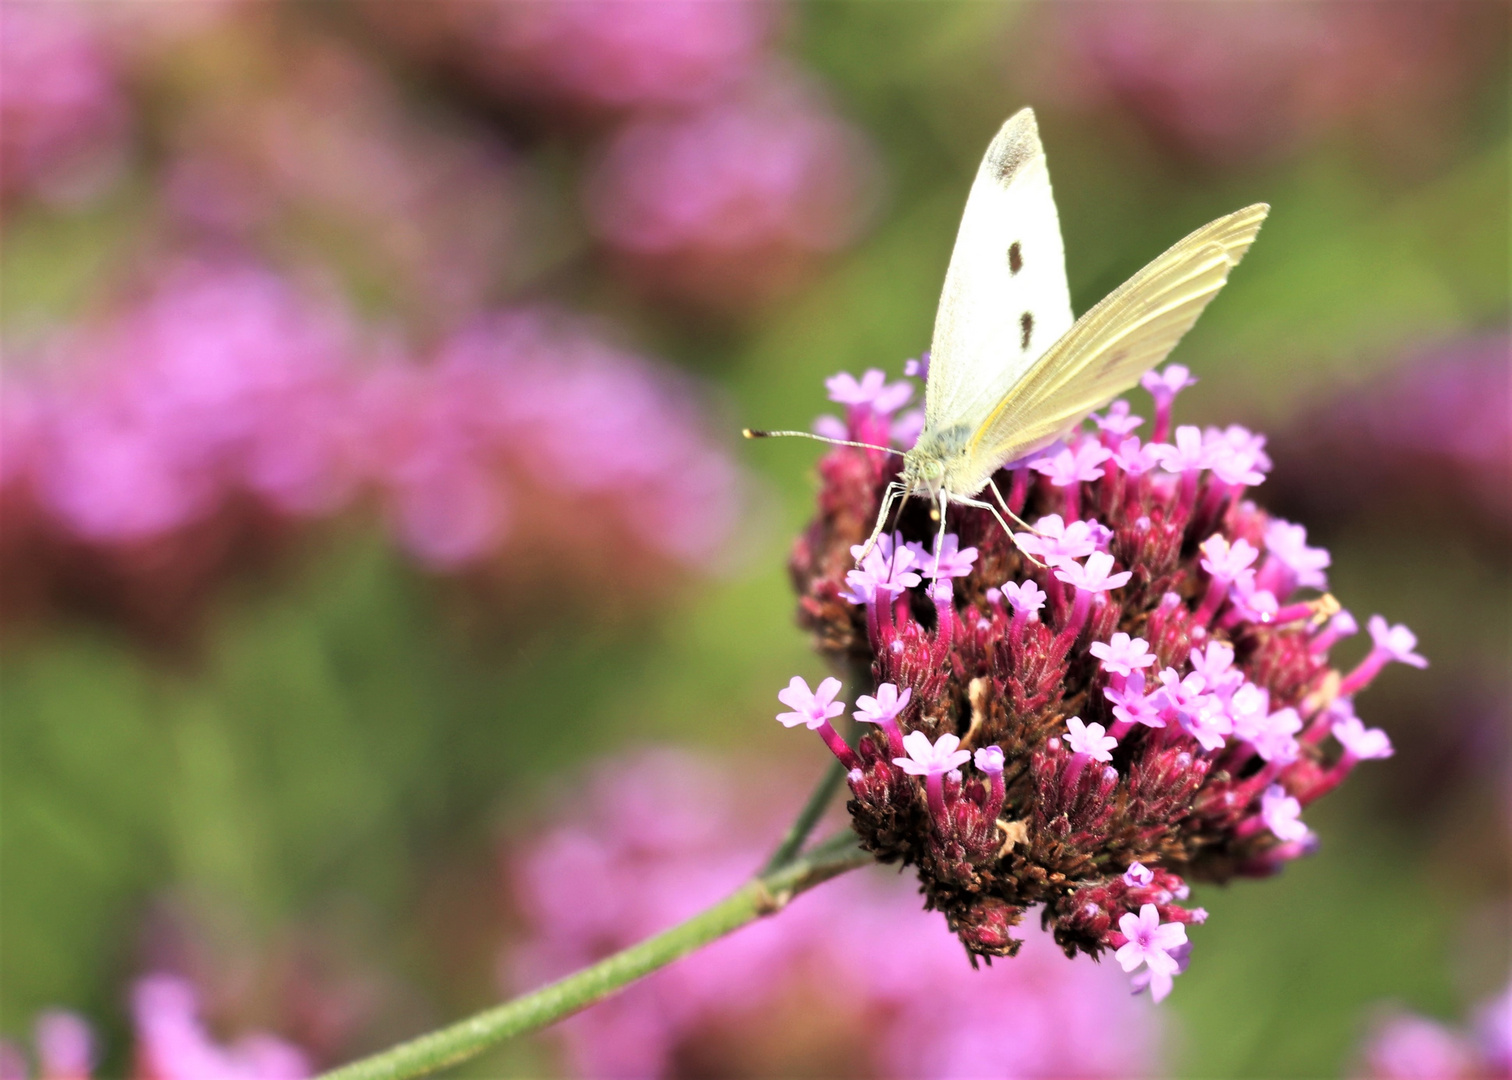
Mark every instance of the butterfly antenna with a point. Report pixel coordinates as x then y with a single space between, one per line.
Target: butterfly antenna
752 433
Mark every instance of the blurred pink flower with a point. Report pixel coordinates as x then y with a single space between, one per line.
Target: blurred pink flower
659 836
1405 1046
1230 84
598 54
229 402
434 204
172 1042
63 112
732 201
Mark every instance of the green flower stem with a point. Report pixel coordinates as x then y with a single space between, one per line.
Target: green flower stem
765 894
808 817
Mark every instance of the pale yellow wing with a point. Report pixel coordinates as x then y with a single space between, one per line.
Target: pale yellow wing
1134 328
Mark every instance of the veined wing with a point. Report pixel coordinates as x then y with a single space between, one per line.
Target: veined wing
1005 298
1134 328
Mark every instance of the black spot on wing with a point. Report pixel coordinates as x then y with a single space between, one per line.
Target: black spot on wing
1015 258
1026 330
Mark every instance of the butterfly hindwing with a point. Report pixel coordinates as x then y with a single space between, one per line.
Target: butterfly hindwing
1131 331
1005 298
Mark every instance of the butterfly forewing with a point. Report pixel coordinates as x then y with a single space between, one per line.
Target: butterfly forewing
1005 299
1133 329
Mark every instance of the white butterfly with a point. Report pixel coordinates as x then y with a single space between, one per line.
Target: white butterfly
1011 371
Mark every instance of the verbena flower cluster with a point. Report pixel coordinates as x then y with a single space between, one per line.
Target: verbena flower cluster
1406 1046
658 836
228 406
1131 695
170 1042
724 171
64 116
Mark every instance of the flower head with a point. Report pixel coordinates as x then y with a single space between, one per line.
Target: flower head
1225 561
1189 453
1122 654
810 707
1024 597
1160 701
1287 544
1117 421
1090 739
1282 814
931 759
1150 943
953 560
1360 741
1395 642
1073 466
1095 575
1166 384
989 759
1057 543
884 707
872 390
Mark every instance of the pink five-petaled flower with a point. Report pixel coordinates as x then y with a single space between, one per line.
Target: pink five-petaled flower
926 759
1225 561
954 560
1227 564
883 711
1275 739
1056 543
1068 467
1360 742
989 759
815 709
885 706
1165 385
1089 739
1396 642
811 707
887 569
1131 706
1089 579
1389 643
1117 421
1150 943
1093 576
871 390
1122 654
1026 598
1282 814
932 762
1188 454
1216 666
1138 875
1236 455
1286 544
1136 460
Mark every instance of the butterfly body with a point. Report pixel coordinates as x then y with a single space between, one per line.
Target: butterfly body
1011 369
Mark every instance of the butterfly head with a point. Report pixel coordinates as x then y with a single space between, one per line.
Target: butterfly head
934 459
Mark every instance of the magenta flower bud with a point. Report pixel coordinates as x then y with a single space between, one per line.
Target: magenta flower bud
1163 387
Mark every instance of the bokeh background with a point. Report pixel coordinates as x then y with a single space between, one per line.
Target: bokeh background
369 471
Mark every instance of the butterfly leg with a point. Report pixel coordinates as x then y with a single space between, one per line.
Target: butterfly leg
1004 504
940 536
889 495
982 505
